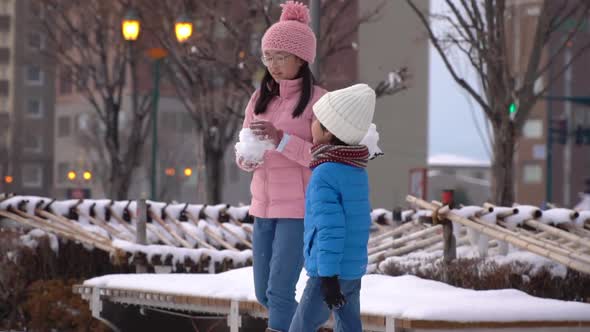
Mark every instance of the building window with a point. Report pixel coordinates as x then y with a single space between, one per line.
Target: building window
478 174
36 41
32 175
186 122
5 6
533 11
36 9
33 143
34 75
64 126
34 108
533 128
4 71
82 122
62 172
81 78
4 38
65 80
168 121
3 104
532 174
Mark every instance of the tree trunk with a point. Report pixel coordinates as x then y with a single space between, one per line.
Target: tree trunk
122 189
214 165
503 164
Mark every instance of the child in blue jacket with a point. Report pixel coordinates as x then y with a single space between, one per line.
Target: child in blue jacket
337 211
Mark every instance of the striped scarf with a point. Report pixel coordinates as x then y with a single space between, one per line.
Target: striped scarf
355 155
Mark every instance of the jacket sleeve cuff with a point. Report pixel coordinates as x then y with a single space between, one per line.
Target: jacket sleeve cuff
328 269
283 142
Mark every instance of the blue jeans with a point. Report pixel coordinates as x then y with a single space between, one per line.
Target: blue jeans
313 311
277 256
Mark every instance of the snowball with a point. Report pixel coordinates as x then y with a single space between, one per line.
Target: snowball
250 148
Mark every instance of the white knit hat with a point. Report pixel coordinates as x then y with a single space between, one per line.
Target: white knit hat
347 113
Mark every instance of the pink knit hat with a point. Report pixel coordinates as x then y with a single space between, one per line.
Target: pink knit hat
292 33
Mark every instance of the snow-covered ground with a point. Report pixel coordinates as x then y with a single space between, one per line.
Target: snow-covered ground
406 297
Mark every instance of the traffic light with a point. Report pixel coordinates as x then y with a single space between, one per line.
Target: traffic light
512 109
558 131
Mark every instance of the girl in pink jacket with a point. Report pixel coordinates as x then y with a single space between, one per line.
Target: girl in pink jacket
282 111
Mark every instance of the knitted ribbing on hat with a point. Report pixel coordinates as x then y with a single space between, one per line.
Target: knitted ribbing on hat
292 33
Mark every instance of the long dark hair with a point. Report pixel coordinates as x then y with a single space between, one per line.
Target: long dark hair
270 89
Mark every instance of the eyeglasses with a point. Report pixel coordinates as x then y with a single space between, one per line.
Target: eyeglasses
278 60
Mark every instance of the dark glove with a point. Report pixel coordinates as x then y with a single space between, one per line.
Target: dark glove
331 291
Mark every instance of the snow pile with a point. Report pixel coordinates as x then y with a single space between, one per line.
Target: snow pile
238 213
31 202
371 140
251 148
584 203
442 160
583 218
179 254
376 213
558 216
406 297
31 239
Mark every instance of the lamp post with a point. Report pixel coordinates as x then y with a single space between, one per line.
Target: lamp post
131 28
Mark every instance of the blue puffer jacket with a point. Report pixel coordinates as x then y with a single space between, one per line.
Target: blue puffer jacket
337 221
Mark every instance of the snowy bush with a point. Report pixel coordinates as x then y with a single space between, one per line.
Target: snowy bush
544 280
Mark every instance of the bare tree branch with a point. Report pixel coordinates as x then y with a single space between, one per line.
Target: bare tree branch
446 61
89 50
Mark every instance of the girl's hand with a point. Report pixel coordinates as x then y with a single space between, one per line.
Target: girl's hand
248 166
266 130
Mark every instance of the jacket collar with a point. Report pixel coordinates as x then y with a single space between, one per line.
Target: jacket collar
290 88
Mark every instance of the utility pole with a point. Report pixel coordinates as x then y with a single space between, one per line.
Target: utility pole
315 9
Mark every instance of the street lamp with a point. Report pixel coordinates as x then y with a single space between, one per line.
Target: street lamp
188 171
131 26
183 28
87 175
72 175
170 171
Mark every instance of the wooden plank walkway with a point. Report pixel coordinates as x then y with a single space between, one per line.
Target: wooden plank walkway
235 309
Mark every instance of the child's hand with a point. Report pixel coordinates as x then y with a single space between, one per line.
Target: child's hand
331 291
266 130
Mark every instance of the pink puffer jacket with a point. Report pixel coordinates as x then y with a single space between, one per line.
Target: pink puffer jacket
278 185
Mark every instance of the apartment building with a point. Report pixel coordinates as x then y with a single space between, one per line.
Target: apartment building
547 166
26 101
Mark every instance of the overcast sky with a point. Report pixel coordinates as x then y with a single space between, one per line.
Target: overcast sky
452 118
